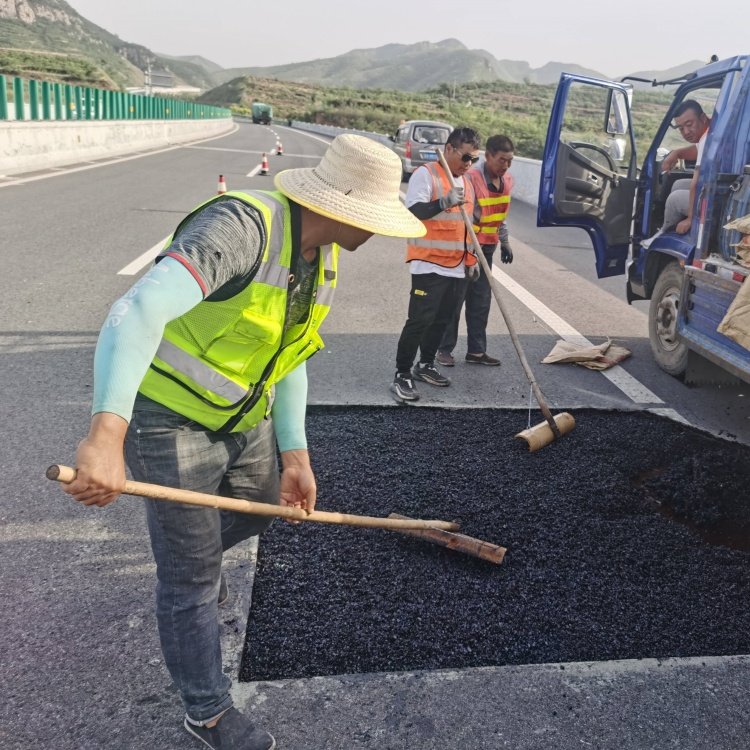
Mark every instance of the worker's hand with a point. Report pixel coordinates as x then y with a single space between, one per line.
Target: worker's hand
100 466
454 197
669 161
473 272
506 254
298 487
683 227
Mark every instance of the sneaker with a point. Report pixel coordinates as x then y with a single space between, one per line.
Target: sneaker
482 359
223 590
403 387
445 359
234 731
427 372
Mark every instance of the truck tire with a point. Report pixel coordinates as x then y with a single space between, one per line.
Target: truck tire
670 351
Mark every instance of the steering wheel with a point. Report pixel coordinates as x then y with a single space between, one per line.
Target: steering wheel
576 145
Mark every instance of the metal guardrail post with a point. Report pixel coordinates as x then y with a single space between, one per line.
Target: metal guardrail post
46 101
33 99
3 98
18 98
58 92
69 103
87 103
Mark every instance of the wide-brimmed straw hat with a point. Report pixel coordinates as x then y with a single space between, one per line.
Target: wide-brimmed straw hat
357 182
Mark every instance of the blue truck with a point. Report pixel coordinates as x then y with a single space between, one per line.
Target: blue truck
591 178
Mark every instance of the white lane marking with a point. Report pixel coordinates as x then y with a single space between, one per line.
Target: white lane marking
133 267
217 148
253 171
57 171
632 388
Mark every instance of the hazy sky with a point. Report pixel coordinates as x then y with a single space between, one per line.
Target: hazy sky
613 38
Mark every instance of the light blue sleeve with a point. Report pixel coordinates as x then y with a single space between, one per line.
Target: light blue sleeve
288 410
132 331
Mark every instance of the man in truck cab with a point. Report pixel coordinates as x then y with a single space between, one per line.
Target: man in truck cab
692 122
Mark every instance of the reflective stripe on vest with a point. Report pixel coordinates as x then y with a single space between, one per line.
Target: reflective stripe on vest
444 242
218 363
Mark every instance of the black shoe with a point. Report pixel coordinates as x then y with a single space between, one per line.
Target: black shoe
223 590
445 359
482 359
427 372
403 387
234 731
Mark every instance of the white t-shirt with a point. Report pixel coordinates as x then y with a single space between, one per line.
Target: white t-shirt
420 191
701 144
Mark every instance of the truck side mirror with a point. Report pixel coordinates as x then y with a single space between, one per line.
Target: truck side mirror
618 120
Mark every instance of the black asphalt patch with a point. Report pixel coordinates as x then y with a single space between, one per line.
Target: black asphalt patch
628 538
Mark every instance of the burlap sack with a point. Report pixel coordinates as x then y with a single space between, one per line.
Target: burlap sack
736 323
596 357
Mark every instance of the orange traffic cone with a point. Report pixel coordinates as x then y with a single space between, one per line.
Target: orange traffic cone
279 150
222 185
264 164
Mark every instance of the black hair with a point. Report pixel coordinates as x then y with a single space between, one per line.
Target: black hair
497 143
464 135
686 105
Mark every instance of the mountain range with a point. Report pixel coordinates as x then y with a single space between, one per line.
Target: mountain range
54 26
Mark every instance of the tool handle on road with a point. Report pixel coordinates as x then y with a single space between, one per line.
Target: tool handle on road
458 542
66 474
495 286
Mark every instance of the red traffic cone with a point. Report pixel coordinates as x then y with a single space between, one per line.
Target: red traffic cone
264 164
222 185
279 149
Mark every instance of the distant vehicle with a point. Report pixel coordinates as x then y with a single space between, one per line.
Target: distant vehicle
416 143
591 179
262 113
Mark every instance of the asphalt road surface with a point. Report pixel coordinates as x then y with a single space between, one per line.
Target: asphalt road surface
77 582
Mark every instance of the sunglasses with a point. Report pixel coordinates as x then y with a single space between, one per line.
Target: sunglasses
468 158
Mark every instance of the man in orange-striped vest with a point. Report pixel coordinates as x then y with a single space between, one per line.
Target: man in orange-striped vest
439 261
492 183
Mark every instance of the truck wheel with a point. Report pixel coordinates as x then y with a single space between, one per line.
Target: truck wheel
670 351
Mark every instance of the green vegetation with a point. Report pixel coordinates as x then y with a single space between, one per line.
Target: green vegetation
515 109
48 66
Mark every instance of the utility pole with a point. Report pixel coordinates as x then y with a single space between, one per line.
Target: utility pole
147 81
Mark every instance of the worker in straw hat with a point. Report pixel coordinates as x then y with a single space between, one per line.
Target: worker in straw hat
191 361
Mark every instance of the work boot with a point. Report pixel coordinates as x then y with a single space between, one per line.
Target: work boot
403 388
234 731
427 372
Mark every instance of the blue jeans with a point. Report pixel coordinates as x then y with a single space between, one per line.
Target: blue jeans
477 296
163 447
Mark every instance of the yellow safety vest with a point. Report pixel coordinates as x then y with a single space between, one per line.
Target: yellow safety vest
217 364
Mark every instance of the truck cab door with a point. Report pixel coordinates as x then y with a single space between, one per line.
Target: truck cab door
588 175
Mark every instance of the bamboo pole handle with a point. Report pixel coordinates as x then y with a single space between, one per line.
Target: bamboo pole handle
458 542
66 474
495 286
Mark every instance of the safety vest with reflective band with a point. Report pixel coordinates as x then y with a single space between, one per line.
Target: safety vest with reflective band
494 206
444 243
217 364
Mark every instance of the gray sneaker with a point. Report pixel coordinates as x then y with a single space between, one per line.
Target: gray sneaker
234 731
427 372
403 388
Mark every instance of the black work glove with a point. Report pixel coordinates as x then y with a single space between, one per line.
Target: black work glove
506 254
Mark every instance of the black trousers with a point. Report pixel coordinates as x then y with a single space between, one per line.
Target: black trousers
432 303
